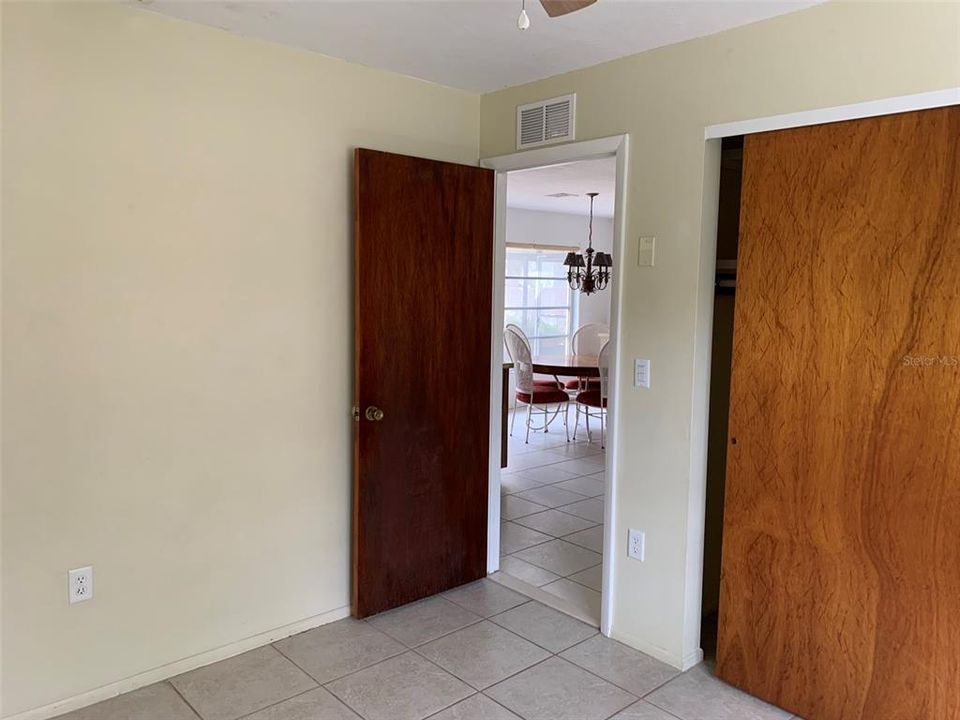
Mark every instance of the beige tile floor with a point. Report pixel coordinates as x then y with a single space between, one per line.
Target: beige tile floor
552 515
481 652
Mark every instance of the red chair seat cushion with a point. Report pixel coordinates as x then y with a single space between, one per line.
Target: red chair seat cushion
592 384
591 398
543 396
549 384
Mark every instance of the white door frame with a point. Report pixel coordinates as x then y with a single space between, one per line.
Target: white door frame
615 146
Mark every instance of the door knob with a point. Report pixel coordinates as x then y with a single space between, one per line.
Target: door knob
374 414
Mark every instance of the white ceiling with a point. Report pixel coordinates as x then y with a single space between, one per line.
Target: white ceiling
473 44
527 189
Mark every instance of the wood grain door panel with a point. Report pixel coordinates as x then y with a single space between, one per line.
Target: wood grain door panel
424 259
840 591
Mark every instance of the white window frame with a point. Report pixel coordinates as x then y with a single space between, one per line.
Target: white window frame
573 302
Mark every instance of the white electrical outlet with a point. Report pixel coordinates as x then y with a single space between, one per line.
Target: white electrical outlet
81 584
637 544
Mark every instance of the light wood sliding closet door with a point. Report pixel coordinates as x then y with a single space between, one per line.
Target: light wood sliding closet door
840 593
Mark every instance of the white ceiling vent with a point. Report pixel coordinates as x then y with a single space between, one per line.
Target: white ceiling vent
546 122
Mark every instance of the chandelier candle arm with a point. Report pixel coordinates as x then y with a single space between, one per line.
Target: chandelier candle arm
593 273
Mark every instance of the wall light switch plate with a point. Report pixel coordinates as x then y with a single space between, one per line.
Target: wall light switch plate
641 373
637 544
645 254
81 584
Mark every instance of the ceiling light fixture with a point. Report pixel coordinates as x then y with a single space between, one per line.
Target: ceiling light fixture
523 21
581 275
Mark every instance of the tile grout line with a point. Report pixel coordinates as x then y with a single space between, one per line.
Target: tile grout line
534 642
323 684
181 696
560 540
438 595
559 576
663 684
482 691
280 702
551 535
559 656
558 537
558 509
404 650
606 680
475 691
379 662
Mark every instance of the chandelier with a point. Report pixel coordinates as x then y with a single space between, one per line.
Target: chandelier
594 273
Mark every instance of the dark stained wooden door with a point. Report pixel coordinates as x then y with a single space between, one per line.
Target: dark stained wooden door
841 561
424 259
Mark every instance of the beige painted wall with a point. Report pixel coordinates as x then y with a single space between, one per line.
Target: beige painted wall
177 332
176 326
838 53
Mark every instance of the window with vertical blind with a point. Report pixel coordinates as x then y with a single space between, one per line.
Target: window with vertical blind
538 297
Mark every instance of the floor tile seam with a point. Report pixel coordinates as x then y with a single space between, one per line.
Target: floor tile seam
548 569
450 632
406 650
557 462
534 642
182 697
599 677
572 492
666 682
442 710
448 672
560 509
510 677
559 575
558 537
511 554
487 617
322 683
480 690
551 483
280 702
570 578
573 542
559 656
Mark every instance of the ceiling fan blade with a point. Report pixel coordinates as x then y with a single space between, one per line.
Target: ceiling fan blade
556 8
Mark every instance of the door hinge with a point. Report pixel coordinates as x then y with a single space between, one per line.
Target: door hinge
356 413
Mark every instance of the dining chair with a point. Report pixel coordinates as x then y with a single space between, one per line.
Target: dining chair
595 399
537 398
587 340
541 382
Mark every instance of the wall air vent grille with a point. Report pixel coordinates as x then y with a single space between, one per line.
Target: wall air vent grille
546 122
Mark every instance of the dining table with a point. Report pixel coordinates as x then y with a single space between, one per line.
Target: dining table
578 366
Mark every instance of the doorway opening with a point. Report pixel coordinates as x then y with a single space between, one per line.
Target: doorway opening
725 286
557 354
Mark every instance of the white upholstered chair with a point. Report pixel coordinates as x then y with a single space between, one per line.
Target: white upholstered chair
587 340
593 402
538 396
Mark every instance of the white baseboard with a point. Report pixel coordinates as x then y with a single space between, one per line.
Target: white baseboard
176 668
653 651
692 659
683 664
